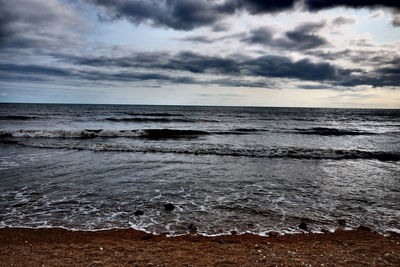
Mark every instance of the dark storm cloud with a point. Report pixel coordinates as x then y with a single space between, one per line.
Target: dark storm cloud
189 14
262 6
303 37
185 14
388 75
190 68
183 61
265 66
372 57
176 14
326 4
283 67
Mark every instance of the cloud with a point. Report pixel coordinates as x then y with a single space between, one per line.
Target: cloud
342 20
41 24
176 14
192 68
315 5
182 61
315 86
264 6
379 77
303 37
395 18
198 39
185 14
242 66
190 14
283 67
78 77
208 39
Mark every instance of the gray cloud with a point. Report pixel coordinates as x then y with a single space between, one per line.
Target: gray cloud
188 67
264 66
176 14
199 39
52 27
366 57
395 18
381 76
45 74
207 39
39 24
303 37
326 4
342 20
283 67
315 86
183 61
190 14
262 6
185 14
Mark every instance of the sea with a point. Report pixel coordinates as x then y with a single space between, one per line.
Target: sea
223 169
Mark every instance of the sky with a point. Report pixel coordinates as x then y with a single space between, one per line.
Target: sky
292 53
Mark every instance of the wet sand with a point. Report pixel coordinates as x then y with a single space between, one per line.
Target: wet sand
58 247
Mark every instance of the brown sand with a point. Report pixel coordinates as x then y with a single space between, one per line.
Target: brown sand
58 247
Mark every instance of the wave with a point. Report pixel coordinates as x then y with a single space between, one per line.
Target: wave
140 133
148 120
165 120
239 131
172 133
248 130
93 133
155 114
330 131
228 150
17 118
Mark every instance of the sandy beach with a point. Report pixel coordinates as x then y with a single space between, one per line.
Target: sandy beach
58 247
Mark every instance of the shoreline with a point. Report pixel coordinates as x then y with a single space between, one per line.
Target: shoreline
122 247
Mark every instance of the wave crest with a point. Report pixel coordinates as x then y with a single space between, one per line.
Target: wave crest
330 131
229 150
93 133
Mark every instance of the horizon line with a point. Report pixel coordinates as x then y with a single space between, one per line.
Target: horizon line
193 105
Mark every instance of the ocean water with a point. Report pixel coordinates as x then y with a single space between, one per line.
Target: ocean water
223 168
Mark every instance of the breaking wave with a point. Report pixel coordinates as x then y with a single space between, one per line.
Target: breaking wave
17 118
154 114
141 133
330 131
93 133
148 120
228 150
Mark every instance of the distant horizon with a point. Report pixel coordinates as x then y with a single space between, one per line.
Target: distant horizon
199 105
